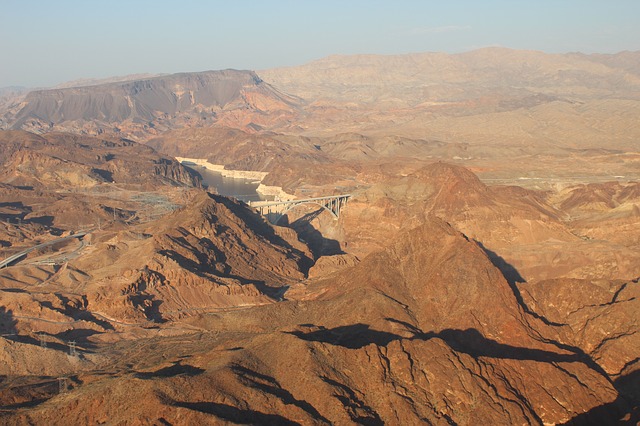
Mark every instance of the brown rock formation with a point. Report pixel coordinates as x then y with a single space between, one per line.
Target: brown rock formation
519 228
426 330
65 160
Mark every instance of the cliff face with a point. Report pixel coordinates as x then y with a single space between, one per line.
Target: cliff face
142 107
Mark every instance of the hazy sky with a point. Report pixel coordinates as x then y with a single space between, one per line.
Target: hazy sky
46 42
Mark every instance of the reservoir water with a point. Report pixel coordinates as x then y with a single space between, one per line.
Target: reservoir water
242 189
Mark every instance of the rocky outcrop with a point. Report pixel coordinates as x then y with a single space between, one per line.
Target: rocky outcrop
597 316
330 264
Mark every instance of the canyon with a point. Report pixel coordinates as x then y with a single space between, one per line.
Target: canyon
485 269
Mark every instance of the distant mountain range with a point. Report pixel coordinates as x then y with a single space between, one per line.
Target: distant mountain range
337 91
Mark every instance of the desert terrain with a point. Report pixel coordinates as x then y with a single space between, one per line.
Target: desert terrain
485 269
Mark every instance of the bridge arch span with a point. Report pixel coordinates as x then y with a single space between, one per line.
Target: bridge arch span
274 211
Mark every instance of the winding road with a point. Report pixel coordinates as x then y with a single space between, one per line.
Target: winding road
9 260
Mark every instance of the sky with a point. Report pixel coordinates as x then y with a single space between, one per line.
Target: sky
47 42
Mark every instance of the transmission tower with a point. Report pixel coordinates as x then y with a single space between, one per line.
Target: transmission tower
63 385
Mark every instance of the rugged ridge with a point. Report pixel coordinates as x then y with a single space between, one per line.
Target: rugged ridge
426 330
65 160
139 107
484 271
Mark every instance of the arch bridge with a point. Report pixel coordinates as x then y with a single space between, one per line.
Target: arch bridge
274 210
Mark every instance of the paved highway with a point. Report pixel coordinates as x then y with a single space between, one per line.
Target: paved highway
23 253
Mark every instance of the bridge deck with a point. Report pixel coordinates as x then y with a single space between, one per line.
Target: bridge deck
297 201
274 210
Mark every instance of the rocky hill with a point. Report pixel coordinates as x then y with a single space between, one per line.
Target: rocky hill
137 108
520 229
426 330
238 149
63 161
